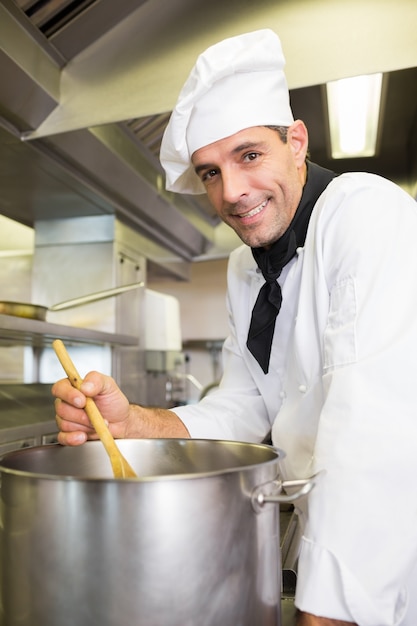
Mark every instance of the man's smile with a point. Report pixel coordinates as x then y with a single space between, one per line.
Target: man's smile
254 211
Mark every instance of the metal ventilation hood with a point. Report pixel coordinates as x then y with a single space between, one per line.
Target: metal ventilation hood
87 87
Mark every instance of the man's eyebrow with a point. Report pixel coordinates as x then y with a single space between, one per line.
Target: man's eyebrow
248 145
203 167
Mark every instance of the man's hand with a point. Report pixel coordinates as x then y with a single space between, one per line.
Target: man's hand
124 420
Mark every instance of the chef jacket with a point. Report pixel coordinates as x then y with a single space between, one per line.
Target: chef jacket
340 397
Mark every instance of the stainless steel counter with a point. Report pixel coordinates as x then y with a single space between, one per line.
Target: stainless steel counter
288 612
289 539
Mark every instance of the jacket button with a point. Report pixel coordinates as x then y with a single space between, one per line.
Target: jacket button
302 388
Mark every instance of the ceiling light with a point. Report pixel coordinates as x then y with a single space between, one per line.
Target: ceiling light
354 107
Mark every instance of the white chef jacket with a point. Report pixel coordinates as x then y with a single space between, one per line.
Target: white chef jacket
340 396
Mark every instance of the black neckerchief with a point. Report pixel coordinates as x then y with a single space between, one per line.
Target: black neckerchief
272 261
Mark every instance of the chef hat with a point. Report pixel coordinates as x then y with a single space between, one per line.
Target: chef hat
235 84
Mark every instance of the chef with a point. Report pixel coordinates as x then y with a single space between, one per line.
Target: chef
322 301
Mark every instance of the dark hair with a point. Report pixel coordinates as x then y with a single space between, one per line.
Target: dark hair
282 132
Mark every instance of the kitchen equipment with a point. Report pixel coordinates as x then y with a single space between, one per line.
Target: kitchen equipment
38 312
121 468
193 541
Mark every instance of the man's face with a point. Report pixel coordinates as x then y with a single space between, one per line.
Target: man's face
254 181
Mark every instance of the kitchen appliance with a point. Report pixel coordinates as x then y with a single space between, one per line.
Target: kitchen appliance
193 541
38 312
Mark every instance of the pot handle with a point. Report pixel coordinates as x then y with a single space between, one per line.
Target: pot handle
261 495
93 297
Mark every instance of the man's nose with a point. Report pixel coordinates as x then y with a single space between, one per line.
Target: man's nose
234 185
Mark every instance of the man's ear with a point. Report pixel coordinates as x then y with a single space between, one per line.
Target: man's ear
297 137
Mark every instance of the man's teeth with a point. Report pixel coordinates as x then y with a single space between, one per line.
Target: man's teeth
255 210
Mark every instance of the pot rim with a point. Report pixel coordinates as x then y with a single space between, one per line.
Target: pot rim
276 456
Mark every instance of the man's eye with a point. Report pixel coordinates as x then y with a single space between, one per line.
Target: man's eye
206 176
251 156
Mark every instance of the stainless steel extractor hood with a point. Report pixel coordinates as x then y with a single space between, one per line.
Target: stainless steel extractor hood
94 169
87 87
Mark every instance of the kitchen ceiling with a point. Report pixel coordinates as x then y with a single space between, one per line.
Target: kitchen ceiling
87 87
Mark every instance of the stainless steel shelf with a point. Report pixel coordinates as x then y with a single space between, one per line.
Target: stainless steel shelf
27 416
21 331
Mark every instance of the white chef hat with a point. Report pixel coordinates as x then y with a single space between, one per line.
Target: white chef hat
235 84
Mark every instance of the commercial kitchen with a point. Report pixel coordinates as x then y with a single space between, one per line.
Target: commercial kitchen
86 91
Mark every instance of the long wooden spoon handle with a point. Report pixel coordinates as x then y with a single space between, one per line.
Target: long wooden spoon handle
91 409
121 468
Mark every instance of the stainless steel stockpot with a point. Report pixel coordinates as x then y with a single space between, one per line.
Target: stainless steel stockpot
193 542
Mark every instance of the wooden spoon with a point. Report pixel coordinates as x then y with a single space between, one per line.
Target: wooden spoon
121 468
